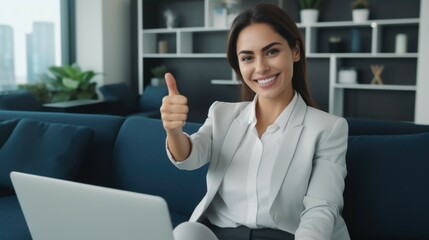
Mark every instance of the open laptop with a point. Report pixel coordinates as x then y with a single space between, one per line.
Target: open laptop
57 209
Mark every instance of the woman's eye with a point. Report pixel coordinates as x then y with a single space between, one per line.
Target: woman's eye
246 58
272 51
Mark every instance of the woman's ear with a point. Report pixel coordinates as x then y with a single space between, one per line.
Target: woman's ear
296 52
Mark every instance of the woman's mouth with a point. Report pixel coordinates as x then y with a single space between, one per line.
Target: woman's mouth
266 82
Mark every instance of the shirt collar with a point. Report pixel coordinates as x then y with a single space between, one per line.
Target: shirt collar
281 120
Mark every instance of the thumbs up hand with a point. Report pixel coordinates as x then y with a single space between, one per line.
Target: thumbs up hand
174 108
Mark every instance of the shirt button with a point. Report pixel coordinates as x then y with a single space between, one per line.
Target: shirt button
276 217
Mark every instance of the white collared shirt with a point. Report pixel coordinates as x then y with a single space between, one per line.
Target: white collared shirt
244 192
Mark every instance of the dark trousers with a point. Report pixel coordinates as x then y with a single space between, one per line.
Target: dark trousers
245 233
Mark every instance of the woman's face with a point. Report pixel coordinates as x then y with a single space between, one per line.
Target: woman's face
266 61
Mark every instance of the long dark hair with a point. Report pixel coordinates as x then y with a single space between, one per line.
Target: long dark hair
283 25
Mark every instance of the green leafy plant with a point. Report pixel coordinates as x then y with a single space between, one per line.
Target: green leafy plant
69 82
360 4
159 71
39 90
310 4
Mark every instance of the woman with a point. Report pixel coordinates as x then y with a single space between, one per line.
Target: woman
277 165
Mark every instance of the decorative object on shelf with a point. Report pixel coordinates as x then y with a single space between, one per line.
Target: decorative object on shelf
220 17
336 44
170 18
360 11
377 70
347 75
158 75
309 12
163 46
401 43
356 42
232 9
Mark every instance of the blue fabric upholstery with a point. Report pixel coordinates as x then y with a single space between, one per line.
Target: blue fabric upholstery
360 126
13 225
387 186
6 128
386 191
47 149
123 93
151 99
22 100
145 105
96 167
141 164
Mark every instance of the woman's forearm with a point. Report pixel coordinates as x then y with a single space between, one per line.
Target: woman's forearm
179 146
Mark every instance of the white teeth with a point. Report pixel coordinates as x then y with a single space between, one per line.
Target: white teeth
265 81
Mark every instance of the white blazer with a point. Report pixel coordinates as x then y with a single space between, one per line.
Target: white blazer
308 178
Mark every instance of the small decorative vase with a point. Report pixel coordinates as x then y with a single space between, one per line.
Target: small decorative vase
309 16
356 42
360 15
401 43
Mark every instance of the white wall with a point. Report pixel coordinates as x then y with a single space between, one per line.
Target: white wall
422 95
103 39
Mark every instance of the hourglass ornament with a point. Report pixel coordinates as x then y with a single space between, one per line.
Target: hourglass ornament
377 70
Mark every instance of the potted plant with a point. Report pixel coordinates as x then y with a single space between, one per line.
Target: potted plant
69 82
39 90
158 75
309 11
360 11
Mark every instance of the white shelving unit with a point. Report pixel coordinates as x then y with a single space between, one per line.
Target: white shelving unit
336 90
183 39
147 40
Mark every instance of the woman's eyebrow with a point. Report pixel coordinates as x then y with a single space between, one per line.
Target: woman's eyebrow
270 45
263 49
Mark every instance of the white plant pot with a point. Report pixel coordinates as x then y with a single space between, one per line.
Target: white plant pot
360 15
156 82
309 16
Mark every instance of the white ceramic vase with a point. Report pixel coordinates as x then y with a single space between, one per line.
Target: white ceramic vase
309 16
360 15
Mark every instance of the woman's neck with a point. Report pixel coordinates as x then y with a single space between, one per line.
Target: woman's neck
268 110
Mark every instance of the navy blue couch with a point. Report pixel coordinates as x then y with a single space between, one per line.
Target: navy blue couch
130 104
387 187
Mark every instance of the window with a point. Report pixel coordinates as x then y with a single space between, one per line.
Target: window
32 38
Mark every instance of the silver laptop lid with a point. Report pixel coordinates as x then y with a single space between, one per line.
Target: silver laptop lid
57 209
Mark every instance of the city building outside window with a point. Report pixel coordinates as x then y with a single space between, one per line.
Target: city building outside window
31 35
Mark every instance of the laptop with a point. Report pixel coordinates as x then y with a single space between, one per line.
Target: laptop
58 209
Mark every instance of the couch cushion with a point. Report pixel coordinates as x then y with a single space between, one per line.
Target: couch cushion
141 165
49 149
96 168
387 186
6 128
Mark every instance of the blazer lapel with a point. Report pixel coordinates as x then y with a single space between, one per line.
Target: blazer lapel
232 140
291 138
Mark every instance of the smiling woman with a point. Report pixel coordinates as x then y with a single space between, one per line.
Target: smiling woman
277 164
267 61
33 36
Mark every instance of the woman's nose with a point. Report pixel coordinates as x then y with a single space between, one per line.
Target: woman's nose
262 66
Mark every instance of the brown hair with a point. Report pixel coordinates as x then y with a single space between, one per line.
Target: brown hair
283 25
